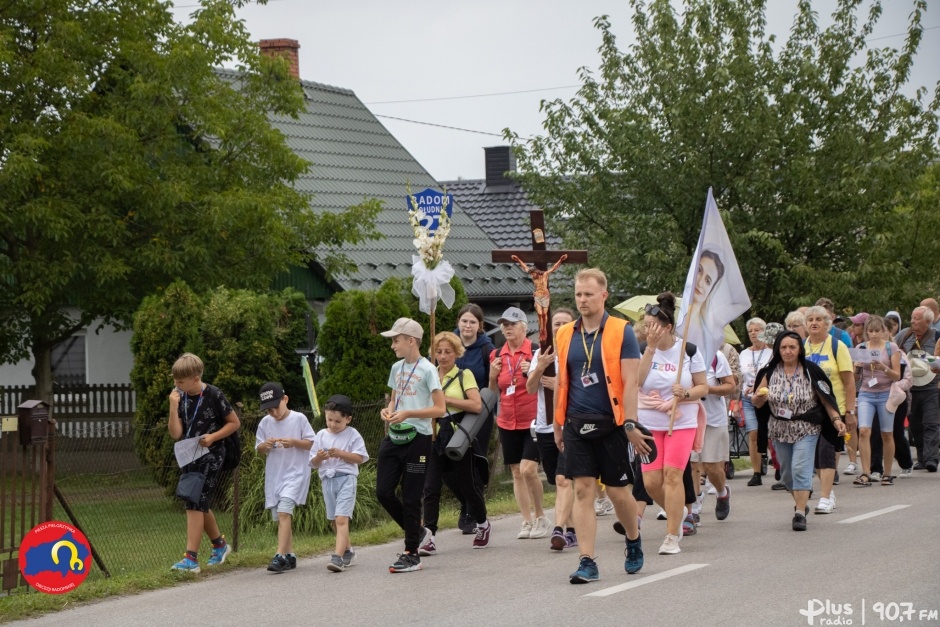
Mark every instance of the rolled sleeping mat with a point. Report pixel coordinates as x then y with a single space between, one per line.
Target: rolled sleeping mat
467 429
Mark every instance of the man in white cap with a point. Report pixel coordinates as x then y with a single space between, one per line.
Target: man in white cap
920 341
416 398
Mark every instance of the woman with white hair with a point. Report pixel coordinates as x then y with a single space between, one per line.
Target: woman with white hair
836 362
753 358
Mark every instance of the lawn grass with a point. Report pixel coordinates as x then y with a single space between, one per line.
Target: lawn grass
138 566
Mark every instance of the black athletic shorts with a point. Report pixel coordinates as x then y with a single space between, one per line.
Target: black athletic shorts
606 457
518 444
553 461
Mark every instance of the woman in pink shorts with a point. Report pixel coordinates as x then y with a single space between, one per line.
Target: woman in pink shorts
662 359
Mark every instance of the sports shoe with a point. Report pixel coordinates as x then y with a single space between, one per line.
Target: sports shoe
661 515
526 531
540 528
428 547
348 556
406 563
931 466
919 466
688 526
483 536
571 540
799 522
711 489
850 469
336 564
835 480
723 505
587 571
558 541
291 562
186 565
875 476
832 499
824 506
755 480
278 564
696 518
219 554
779 486
634 556
906 473
466 524
603 507
670 545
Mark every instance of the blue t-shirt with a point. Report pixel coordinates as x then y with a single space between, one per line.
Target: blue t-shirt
593 399
840 334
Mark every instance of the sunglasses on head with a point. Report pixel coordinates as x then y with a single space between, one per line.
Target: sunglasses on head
652 310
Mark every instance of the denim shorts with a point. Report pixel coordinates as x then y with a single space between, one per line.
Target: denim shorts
339 495
750 415
284 506
872 406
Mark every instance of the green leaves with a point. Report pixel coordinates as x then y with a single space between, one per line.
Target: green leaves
810 157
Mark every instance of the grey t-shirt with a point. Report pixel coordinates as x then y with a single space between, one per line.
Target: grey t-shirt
915 348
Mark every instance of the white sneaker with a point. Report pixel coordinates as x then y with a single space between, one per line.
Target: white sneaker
711 489
603 507
540 528
824 506
875 476
850 469
906 473
661 515
832 499
526 532
670 545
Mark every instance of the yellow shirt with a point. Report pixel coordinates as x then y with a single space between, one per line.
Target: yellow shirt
821 355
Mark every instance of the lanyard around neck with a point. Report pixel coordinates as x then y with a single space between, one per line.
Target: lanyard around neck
195 411
404 386
589 353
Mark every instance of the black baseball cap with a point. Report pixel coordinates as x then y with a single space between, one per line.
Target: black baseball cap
341 403
271 394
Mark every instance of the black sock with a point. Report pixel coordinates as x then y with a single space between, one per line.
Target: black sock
570 529
192 555
220 541
558 529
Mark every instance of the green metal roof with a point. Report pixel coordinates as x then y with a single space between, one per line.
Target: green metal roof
353 157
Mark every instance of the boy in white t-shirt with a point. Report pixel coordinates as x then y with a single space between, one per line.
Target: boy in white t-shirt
336 454
284 436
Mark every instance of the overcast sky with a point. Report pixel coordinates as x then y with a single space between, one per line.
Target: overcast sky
419 49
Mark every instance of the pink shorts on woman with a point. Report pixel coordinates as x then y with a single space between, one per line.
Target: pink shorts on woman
672 450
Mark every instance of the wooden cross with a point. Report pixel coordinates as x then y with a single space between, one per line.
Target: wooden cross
540 257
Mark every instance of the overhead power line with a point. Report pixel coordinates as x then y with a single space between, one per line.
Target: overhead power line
452 128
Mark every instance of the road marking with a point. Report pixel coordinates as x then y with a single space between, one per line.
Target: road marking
877 512
645 580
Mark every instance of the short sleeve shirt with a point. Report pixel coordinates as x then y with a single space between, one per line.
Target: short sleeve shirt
821 355
204 414
413 384
454 389
286 470
661 377
584 359
348 440
716 407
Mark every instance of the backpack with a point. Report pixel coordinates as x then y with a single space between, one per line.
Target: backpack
233 451
907 335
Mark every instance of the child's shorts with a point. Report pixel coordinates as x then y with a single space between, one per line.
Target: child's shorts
285 506
339 495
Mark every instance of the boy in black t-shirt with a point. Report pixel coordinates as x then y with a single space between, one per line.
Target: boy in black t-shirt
201 410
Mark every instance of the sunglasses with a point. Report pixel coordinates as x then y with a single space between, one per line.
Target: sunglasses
652 310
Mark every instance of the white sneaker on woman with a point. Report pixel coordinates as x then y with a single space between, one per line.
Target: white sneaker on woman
670 545
540 528
526 532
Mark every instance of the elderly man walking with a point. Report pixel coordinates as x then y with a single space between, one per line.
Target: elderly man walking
919 341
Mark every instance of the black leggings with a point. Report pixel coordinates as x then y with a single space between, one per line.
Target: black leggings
461 479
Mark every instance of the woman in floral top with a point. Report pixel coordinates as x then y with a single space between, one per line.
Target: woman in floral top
801 401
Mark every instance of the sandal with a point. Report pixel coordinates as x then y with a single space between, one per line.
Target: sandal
862 480
887 480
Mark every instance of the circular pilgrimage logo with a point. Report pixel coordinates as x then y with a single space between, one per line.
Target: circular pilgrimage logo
55 557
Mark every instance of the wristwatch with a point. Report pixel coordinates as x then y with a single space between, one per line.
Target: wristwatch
629 425
849 412
687 395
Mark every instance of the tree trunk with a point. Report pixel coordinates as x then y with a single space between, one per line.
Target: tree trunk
42 371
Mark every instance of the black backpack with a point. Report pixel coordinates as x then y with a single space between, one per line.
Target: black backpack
233 451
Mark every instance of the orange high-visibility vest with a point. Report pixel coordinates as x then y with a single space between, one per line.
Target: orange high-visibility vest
611 343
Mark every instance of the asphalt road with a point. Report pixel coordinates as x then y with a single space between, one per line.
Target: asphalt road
880 546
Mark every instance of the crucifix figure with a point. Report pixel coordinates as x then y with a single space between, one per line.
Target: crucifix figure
540 258
541 294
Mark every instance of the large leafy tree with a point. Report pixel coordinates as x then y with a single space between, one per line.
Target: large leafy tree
812 148
127 160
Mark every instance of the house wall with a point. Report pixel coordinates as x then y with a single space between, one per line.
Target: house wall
108 359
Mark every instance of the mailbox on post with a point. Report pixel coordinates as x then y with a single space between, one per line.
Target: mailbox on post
33 422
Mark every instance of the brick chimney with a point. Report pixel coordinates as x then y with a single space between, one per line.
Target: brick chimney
499 160
286 48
